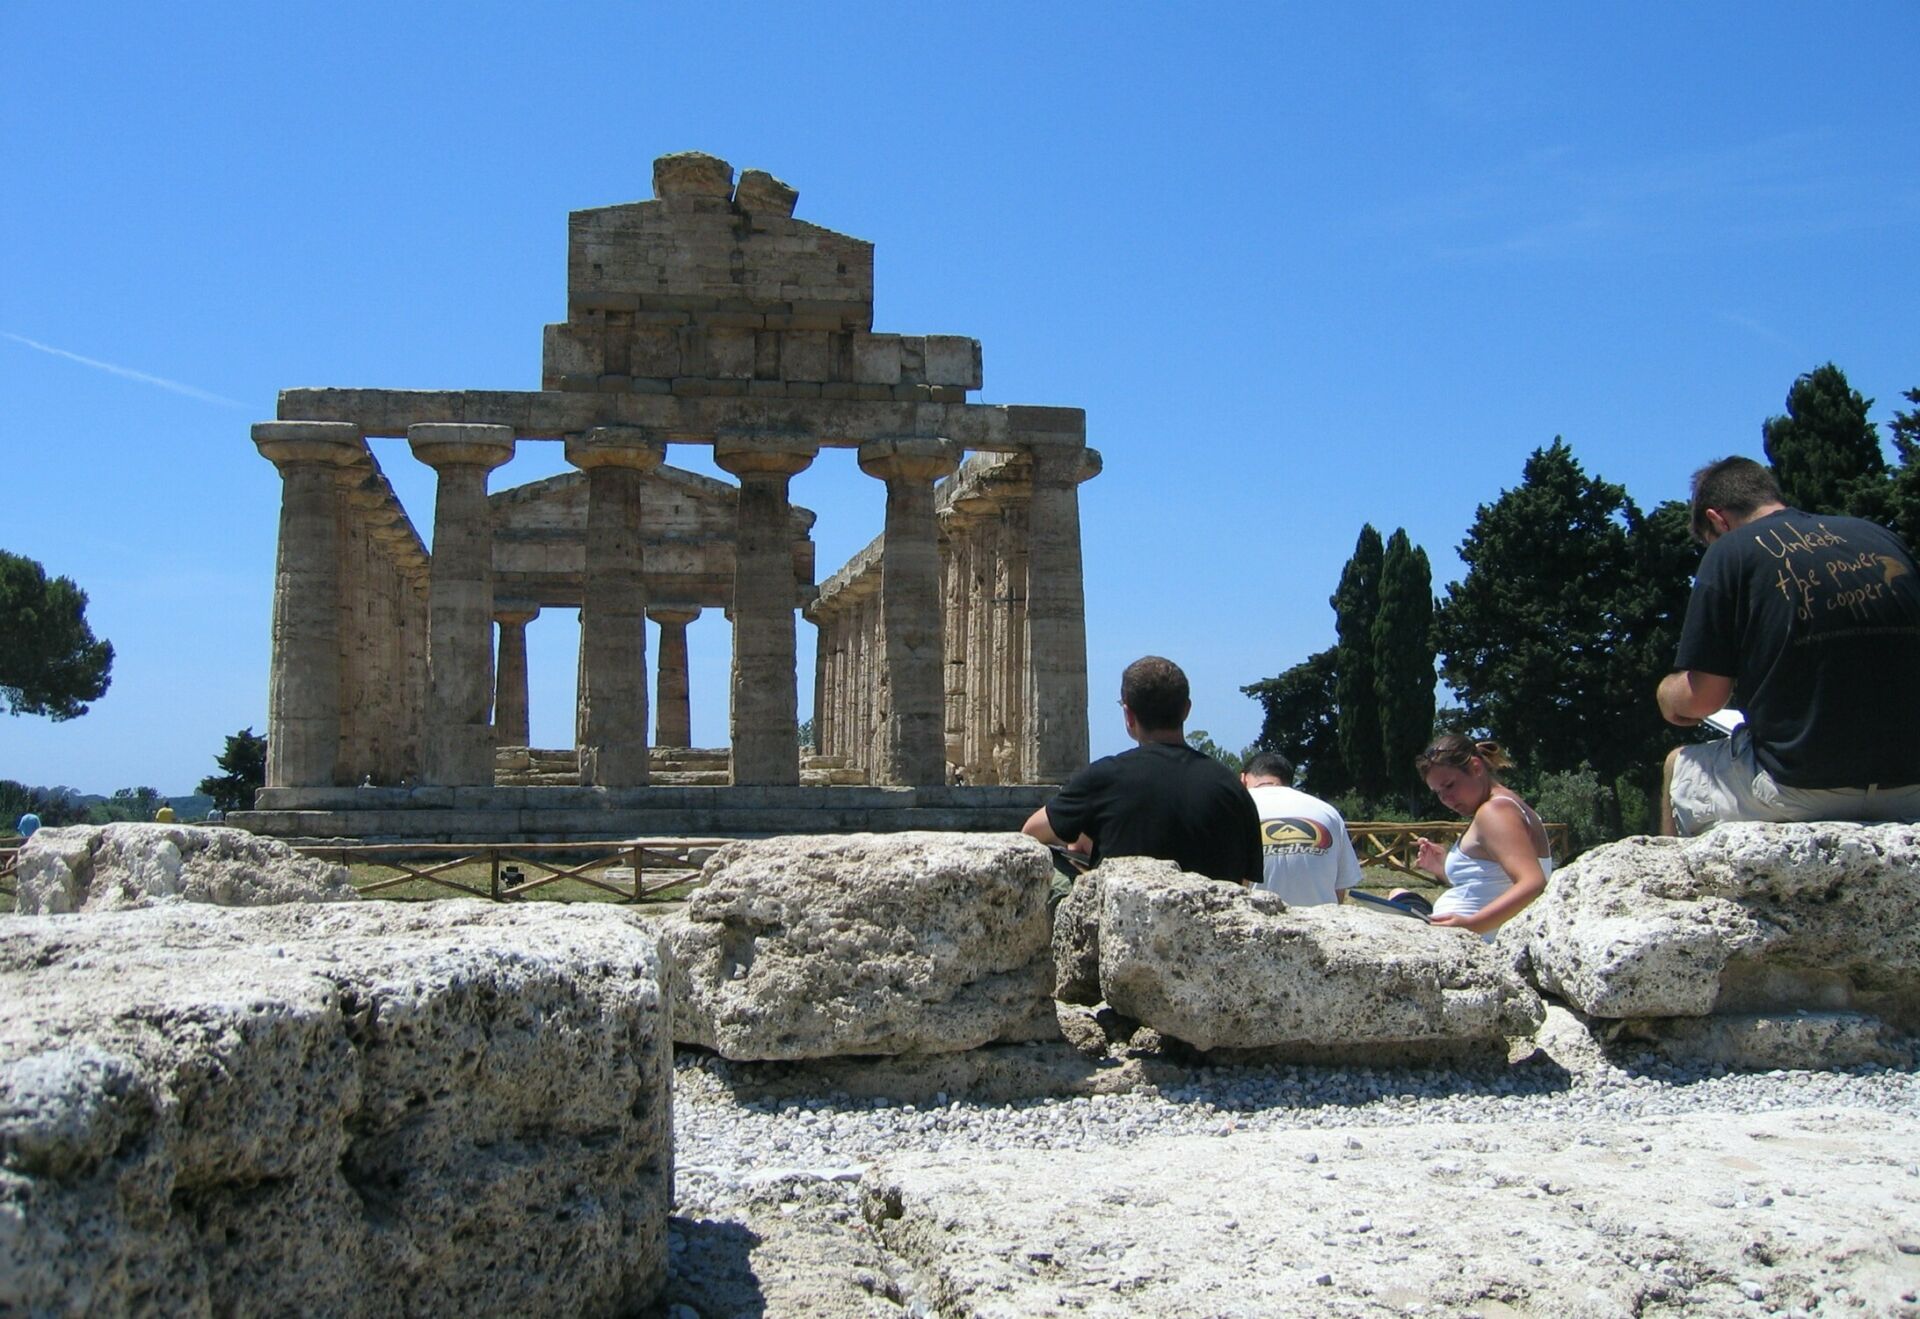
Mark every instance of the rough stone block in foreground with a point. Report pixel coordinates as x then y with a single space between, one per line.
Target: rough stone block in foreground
1223 968
814 947
1747 918
354 1109
110 867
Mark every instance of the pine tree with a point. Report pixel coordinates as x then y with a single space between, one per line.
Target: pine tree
1825 453
1300 724
1553 639
1903 496
1356 601
1403 675
245 761
50 662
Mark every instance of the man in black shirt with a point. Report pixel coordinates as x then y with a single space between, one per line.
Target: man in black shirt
1812 624
1161 799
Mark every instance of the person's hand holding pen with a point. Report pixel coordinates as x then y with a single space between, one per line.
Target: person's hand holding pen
1432 858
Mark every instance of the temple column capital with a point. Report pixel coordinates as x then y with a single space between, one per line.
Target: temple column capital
745 453
443 444
289 443
909 459
616 446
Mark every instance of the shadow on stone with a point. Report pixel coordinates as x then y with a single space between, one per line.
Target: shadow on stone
710 1270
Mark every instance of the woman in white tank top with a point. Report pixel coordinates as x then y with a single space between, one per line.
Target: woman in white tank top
1502 861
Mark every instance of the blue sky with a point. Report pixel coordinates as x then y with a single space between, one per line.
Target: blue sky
1304 267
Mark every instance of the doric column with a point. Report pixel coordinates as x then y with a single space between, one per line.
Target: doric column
765 727
953 632
459 734
822 687
400 683
967 640
303 690
611 727
912 743
1056 735
672 713
1010 665
510 728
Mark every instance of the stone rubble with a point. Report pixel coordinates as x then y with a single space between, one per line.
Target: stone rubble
1573 1183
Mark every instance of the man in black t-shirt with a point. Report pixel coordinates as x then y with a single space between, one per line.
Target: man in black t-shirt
1811 623
1161 799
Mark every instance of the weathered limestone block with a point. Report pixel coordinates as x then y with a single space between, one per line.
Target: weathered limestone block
1223 968
1747 918
761 194
692 174
87 867
357 1109
812 947
1076 942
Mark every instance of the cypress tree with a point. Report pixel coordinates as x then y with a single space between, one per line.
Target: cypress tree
1403 676
1355 603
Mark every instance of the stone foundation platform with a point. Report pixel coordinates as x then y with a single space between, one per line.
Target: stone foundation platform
555 814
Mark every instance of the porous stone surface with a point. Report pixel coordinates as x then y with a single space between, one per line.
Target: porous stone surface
1076 942
811 947
352 1109
1221 967
1747 918
110 867
1701 1215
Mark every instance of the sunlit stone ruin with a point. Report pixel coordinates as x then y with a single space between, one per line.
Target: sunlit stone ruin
949 679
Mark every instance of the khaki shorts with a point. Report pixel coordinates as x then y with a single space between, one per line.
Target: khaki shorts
1720 781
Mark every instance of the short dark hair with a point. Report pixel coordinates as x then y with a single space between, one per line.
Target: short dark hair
1156 691
1732 485
1269 764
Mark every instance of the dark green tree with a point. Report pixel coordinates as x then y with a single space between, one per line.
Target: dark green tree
54 806
1403 676
50 662
1903 495
1299 723
1565 620
244 761
1356 602
127 804
1202 741
1825 453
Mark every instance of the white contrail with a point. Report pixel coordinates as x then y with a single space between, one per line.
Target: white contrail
127 372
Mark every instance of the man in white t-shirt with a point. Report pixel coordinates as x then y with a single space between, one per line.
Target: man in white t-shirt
1308 857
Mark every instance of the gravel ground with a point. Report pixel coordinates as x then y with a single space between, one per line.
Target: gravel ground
768 1215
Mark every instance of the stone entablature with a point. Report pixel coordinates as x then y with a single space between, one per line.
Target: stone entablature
708 316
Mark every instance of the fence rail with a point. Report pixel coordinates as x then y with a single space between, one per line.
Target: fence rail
630 870
1393 844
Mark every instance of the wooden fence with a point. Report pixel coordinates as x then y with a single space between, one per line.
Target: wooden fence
1393 844
629 870
9 871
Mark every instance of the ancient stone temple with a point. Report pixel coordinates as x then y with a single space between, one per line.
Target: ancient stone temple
951 652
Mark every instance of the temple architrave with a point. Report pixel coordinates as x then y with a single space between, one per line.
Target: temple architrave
950 671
